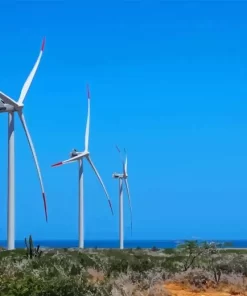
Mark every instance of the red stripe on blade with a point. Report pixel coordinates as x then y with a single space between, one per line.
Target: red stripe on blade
110 206
57 164
43 45
88 92
44 199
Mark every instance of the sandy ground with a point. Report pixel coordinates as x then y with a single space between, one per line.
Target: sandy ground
175 289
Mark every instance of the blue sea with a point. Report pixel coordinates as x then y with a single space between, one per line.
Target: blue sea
115 243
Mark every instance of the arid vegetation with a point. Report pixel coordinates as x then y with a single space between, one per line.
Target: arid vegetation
197 267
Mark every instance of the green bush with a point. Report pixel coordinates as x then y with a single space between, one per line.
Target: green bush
32 286
172 264
142 265
117 266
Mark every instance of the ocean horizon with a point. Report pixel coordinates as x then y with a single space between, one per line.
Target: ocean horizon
115 243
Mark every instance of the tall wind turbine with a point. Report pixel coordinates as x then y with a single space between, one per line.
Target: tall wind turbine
79 156
7 104
123 177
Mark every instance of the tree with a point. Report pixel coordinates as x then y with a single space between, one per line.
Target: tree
195 252
191 251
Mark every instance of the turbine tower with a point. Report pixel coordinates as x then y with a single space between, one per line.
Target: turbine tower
10 106
123 177
79 156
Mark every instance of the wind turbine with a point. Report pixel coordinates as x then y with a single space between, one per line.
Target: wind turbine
79 156
123 177
10 106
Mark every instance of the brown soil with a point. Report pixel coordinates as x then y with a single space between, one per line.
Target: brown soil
176 289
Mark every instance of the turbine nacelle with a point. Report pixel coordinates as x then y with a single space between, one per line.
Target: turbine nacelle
6 108
75 153
9 105
119 176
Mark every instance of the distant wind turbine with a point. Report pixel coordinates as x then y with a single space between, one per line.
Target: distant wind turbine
79 156
123 177
7 104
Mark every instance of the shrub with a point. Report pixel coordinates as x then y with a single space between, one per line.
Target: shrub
30 286
154 249
117 266
142 265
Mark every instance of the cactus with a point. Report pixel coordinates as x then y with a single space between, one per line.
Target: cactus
31 251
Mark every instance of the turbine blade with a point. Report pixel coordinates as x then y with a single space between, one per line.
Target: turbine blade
126 163
128 193
29 139
29 80
72 159
8 100
88 119
98 175
121 158
118 149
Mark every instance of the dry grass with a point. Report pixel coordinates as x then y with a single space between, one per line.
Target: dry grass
127 273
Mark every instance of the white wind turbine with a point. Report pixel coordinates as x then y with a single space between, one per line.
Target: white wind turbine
78 156
10 106
123 177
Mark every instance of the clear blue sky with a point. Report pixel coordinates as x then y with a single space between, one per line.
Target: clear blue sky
168 82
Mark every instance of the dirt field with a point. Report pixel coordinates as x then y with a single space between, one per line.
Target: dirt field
175 289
